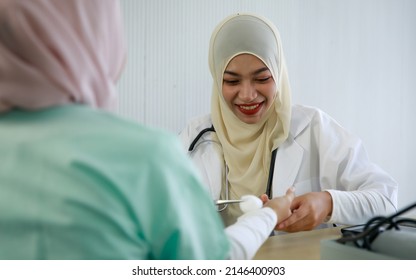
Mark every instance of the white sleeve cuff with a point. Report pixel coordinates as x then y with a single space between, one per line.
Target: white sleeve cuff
250 231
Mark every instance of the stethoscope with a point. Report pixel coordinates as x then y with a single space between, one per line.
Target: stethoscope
224 203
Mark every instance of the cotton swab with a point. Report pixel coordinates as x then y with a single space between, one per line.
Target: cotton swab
250 203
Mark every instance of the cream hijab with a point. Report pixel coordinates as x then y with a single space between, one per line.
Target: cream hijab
247 147
59 52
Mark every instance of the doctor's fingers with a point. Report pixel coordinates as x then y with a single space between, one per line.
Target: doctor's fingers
297 217
301 225
299 222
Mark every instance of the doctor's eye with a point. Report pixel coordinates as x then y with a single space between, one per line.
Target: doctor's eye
230 82
263 79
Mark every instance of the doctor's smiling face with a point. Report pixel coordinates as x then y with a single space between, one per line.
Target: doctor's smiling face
248 87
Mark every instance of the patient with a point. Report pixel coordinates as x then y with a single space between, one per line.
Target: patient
78 182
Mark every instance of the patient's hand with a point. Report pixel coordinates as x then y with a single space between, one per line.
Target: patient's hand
281 205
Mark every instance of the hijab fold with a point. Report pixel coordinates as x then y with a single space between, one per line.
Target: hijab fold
54 53
248 147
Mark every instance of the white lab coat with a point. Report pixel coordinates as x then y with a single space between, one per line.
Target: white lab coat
318 155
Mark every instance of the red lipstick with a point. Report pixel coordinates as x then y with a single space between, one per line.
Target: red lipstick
250 109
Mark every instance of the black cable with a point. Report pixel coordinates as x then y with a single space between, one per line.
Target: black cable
271 172
377 225
191 147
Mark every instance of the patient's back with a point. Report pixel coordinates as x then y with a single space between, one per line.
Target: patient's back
78 183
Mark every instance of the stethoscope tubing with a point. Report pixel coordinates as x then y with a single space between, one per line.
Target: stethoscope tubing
224 202
200 134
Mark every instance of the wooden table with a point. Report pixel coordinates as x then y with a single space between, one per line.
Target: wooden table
303 245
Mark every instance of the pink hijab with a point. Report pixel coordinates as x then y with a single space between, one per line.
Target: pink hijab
59 52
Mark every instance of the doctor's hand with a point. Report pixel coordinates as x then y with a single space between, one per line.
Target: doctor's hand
309 210
281 205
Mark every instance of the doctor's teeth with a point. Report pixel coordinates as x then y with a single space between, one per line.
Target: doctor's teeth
249 107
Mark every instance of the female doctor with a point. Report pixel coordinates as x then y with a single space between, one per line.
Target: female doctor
256 142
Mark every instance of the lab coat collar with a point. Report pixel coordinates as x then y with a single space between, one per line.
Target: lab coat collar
290 154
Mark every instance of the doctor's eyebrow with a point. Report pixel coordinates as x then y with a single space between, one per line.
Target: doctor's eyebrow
258 71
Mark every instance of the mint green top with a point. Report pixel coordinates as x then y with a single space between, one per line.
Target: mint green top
79 183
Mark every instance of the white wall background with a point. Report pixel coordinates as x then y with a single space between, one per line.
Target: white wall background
354 59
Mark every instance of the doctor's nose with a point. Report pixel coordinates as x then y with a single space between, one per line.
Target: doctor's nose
247 92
